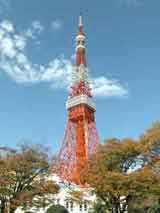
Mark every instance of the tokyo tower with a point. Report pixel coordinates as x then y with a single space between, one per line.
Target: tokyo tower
81 135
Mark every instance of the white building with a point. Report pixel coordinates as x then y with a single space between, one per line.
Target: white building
64 198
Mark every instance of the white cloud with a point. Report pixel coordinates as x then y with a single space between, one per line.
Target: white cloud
56 24
21 58
104 87
7 26
35 29
29 33
20 42
57 73
7 48
37 26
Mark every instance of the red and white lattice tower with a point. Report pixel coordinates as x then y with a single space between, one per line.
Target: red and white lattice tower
81 136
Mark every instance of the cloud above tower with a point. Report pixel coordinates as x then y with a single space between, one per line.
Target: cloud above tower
15 63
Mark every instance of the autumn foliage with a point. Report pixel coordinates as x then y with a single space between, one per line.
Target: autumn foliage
22 178
125 174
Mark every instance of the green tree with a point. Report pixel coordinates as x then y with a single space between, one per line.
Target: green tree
98 207
57 209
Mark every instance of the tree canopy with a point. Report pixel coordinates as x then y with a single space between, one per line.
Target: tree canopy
125 174
22 177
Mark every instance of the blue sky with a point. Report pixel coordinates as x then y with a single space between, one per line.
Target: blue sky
37 44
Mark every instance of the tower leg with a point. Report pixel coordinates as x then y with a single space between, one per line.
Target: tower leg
80 142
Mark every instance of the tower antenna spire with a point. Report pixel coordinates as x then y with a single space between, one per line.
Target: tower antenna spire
80 20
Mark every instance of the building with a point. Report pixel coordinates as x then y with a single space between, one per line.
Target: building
65 199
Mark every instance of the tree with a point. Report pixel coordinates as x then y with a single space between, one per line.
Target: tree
150 140
57 209
76 196
98 207
121 175
22 178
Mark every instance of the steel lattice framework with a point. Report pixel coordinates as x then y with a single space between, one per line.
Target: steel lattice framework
81 135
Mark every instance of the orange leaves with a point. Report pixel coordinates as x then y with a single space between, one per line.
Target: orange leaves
21 173
125 173
76 196
151 138
118 155
113 182
49 187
